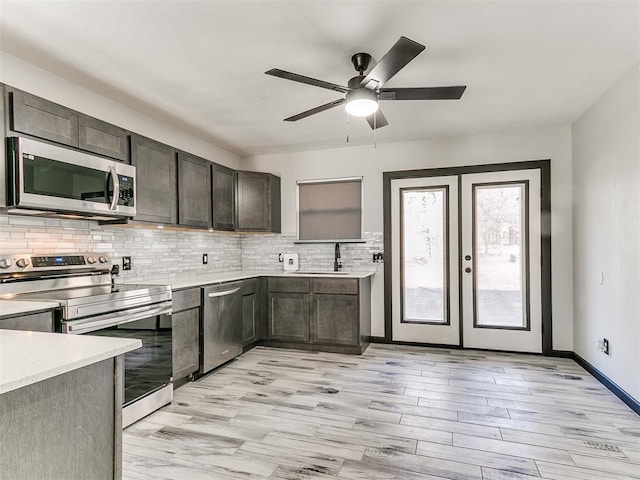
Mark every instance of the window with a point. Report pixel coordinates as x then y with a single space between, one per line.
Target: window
330 210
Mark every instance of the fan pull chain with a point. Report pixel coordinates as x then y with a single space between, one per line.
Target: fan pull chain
347 127
375 131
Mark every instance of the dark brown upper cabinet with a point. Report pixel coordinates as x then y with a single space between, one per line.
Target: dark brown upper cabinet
43 119
103 138
194 191
223 183
156 181
258 202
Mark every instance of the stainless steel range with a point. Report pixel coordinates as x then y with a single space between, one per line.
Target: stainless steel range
90 303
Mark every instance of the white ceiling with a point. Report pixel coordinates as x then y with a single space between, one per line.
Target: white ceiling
525 63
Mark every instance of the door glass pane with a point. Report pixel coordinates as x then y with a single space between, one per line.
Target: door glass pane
500 255
424 265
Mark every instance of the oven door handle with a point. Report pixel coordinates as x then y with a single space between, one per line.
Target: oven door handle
223 293
119 318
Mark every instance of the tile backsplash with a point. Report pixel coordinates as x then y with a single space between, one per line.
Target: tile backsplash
154 253
166 253
260 252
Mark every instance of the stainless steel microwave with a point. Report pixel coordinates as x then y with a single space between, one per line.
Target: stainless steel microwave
45 178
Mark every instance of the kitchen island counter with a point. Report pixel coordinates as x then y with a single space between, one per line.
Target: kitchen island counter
61 405
31 357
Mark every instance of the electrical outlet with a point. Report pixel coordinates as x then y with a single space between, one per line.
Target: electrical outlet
126 263
378 257
605 346
205 258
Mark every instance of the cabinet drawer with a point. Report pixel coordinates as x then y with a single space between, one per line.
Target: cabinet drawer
344 286
292 285
249 286
184 299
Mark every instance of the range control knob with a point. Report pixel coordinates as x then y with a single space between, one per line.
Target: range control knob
22 262
102 259
91 260
5 262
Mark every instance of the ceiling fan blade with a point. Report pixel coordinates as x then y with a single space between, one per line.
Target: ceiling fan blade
394 60
276 72
380 120
313 111
426 93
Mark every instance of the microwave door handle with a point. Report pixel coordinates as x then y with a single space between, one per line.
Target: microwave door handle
111 173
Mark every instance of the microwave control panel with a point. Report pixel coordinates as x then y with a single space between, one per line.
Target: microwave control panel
126 191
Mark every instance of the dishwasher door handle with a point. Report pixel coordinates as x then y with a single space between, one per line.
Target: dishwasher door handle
223 293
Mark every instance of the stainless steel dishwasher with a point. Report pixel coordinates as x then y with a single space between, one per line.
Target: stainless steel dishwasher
221 332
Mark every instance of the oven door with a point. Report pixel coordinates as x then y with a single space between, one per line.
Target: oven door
147 370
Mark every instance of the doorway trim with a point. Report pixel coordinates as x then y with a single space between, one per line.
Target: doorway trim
545 211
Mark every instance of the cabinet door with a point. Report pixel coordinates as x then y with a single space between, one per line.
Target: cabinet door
334 319
288 317
223 183
101 137
156 183
254 201
194 191
250 316
185 330
44 119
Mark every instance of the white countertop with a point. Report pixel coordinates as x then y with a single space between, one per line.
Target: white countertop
30 357
186 281
19 307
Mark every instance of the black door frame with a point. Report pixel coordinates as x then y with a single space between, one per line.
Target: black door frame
545 228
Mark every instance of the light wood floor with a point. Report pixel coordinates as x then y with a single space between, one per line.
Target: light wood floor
404 413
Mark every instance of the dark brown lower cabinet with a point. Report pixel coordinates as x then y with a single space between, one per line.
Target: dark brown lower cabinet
288 316
185 332
250 319
320 313
334 319
252 311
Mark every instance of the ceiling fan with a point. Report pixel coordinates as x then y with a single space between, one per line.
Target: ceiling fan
362 93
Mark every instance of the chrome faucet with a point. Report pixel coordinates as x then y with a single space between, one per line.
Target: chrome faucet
337 265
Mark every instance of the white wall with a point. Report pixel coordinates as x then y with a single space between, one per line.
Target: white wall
606 226
32 79
534 144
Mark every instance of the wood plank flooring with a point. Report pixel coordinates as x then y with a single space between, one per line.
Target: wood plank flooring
395 412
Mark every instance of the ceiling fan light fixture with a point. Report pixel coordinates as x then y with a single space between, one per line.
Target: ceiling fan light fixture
361 102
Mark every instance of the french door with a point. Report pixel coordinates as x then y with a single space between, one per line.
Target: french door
466 256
